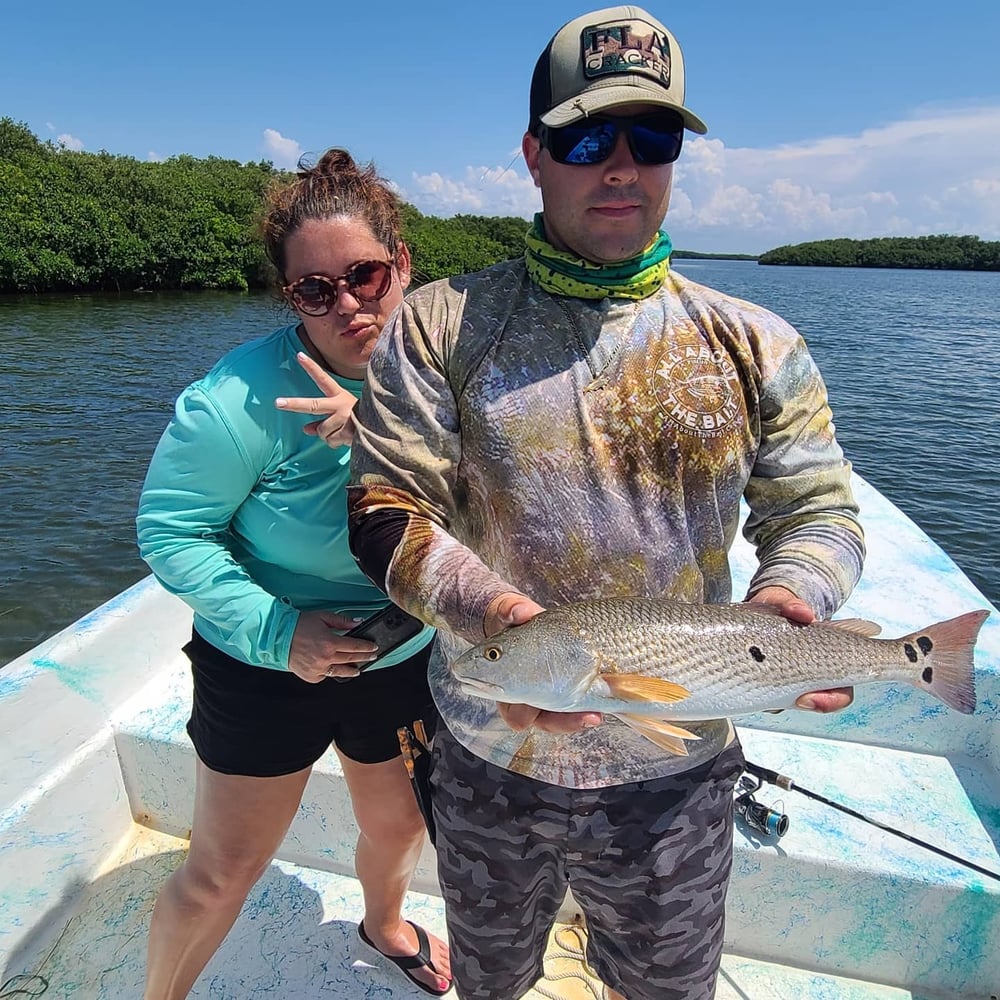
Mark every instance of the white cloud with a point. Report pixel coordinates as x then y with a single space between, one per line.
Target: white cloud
284 153
480 191
936 172
153 157
68 141
930 174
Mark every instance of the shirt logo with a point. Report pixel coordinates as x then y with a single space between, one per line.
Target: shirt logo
624 48
698 389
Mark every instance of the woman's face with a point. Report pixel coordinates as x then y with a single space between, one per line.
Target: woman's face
346 335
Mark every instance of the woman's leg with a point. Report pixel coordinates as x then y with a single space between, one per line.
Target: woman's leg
391 836
239 823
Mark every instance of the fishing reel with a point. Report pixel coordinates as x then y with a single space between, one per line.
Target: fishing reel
755 814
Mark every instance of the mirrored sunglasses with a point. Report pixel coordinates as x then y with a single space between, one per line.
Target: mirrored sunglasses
653 138
315 294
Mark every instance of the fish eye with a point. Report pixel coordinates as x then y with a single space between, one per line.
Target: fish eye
492 653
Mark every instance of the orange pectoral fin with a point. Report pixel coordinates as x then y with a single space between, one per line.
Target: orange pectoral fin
638 687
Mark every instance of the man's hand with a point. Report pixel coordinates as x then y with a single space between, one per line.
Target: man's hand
796 610
511 610
507 610
337 427
319 651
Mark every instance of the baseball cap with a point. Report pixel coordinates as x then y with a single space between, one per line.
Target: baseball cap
601 60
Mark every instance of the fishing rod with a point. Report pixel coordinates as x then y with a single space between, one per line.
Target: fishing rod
775 824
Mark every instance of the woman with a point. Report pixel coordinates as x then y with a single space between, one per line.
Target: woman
243 516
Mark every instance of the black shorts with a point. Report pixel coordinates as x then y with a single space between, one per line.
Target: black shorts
262 723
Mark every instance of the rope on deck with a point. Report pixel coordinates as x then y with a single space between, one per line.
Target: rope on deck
23 985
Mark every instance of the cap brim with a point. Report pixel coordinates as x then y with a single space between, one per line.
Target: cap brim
602 99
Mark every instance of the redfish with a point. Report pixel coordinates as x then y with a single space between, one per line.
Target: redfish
653 663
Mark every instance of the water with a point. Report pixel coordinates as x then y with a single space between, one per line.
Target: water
910 362
87 384
86 387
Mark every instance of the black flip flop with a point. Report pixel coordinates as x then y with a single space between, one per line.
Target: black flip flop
407 962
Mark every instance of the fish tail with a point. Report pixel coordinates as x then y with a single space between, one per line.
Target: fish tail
946 651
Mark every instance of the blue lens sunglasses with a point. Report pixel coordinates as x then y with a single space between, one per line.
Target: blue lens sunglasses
653 138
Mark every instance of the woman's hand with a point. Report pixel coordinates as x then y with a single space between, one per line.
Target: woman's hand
319 651
796 610
337 427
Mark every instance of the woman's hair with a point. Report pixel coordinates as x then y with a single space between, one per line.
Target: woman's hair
334 187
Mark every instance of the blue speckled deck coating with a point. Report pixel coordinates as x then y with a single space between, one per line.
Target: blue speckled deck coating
296 940
91 731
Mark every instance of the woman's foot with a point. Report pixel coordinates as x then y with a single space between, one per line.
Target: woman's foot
407 943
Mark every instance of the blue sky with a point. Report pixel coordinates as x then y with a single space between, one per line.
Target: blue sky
825 119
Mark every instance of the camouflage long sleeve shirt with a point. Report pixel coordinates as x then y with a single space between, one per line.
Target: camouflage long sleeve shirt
513 440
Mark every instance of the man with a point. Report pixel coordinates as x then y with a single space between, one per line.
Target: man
582 423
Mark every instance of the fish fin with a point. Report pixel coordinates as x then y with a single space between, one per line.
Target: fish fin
662 726
523 758
948 648
856 626
656 731
639 687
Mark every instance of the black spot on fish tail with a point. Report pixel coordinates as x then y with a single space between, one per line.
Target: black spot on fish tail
948 672
757 654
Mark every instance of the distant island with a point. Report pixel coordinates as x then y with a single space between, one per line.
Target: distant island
957 253
697 255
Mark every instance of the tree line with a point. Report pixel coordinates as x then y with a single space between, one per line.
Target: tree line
77 221
960 253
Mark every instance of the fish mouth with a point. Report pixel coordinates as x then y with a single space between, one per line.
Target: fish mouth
482 689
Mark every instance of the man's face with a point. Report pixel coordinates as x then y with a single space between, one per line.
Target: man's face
605 212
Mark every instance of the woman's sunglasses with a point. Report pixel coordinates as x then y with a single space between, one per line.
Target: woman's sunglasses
654 138
315 294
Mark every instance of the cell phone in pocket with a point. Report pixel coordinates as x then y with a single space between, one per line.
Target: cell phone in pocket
388 629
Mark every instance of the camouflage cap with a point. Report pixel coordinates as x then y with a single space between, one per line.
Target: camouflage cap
602 60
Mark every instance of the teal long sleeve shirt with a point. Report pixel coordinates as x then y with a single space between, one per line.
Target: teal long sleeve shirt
243 515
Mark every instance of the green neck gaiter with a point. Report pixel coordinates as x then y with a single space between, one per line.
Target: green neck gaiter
562 273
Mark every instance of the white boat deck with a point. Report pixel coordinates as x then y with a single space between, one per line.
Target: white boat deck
97 790
296 939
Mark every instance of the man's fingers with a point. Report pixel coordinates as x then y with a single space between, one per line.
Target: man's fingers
509 609
567 722
826 701
520 717
790 605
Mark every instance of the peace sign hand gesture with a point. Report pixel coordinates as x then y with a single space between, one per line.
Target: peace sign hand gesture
336 428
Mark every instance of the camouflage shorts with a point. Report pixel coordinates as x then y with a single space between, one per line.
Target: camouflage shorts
648 863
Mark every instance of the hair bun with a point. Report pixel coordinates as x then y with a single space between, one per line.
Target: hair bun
332 162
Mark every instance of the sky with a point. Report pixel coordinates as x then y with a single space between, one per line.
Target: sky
857 119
